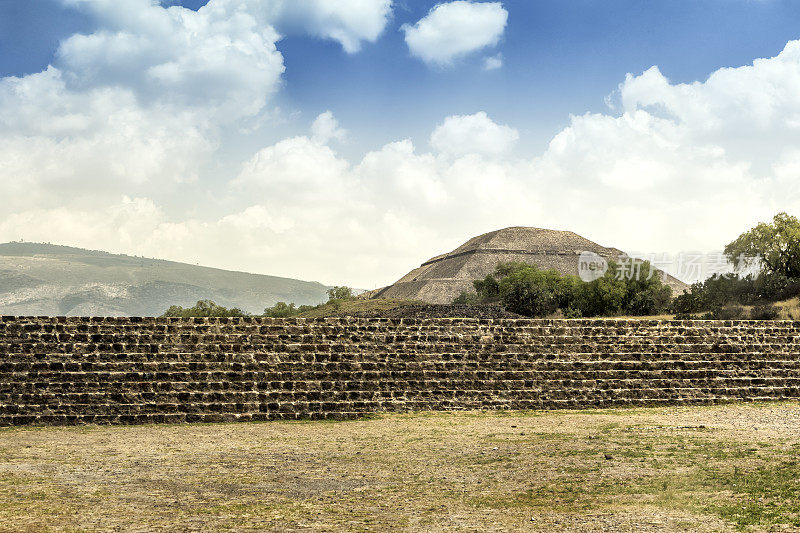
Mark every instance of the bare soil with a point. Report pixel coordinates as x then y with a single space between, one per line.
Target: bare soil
722 468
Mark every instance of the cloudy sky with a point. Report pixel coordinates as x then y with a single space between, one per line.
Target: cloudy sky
347 141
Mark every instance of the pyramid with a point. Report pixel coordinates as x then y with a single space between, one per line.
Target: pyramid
440 279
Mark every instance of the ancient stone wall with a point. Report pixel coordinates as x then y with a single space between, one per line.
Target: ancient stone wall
138 370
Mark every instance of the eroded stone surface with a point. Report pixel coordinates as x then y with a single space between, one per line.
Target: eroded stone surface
139 370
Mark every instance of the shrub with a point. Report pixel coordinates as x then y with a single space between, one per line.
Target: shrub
340 293
466 298
203 308
690 301
530 291
764 312
281 310
616 293
729 289
730 312
488 288
523 295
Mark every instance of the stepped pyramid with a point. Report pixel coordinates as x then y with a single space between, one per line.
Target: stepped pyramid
442 278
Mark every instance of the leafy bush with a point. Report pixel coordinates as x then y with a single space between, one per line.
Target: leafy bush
281 310
207 308
466 298
284 310
729 289
691 301
340 293
203 308
530 291
764 312
488 288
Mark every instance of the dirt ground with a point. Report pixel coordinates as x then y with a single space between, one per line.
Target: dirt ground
721 468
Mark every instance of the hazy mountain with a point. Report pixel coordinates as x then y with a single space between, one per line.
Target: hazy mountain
46 279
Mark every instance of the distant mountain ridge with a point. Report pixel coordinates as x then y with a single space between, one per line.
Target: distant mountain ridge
48 279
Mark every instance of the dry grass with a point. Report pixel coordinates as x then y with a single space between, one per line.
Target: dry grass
789 309
350 307
721 468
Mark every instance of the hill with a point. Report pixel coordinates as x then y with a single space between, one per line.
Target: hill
46 279
440 279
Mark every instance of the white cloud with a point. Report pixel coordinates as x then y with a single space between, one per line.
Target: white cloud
145 100
257 217
493 62
455 29
119 226
678 167
55 142
478 134
137 105
295 171
349 22
326 128
656 177
221 58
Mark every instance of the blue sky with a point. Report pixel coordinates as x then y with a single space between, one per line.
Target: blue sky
138 119
558 58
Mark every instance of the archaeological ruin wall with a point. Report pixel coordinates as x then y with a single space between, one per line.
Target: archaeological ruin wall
62 370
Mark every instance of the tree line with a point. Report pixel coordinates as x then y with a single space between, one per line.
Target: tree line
529 291
207 308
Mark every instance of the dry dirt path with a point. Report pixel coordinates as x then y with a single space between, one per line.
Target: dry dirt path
722 468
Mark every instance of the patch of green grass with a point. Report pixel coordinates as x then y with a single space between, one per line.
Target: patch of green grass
8 480
691 473
767 494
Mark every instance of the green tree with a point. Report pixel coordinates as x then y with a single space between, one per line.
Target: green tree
645 292
488 288
523 292
727 290
630 289
530 291
603 296
203 308
281 310
775 247
340 293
